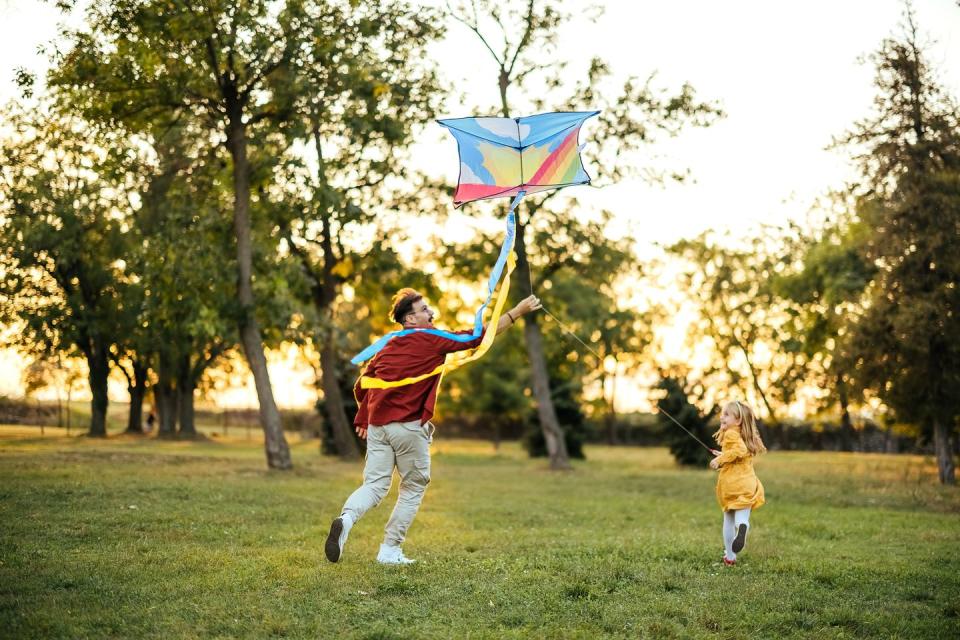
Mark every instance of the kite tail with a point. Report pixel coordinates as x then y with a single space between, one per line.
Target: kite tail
505 249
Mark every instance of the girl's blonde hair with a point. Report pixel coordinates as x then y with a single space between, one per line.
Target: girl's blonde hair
748 427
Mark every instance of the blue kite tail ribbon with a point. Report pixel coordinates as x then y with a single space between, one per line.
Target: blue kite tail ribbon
495 276
497 272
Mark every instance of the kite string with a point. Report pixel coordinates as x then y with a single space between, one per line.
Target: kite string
576 337
660 409
677 422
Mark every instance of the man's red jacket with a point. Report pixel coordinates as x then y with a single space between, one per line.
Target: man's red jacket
405 357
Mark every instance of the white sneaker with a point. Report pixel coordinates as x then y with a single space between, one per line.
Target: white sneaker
392 555
339 530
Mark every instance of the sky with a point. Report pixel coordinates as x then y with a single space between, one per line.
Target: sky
788 75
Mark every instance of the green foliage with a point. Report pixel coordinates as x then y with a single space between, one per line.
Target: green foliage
64 244
754 337
491 390
830 276
627 546
822 285
906 337
62 238
190 311
576 271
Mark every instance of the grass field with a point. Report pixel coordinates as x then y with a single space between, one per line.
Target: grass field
132 537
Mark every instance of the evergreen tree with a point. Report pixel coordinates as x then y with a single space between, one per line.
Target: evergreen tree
907 336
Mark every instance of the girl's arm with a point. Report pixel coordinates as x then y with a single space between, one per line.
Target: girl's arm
733 449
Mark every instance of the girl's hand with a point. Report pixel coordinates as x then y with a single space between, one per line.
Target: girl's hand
362 432
714 452
713 464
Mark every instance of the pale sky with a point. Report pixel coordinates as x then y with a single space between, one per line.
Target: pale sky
786 74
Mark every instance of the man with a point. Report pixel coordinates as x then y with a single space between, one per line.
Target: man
396 422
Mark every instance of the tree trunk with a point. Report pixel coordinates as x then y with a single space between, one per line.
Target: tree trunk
846 425
756 380
188 428
890 441
69 404
552 432
185 388
324 294
611 417
99 371
166 400
138 392
944 451
333 402
275 444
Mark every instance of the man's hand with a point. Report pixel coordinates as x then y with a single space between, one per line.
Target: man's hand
528 304
362 432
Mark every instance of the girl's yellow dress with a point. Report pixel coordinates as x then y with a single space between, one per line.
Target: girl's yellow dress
737 485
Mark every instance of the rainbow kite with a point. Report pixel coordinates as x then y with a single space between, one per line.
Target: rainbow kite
506 156
500 157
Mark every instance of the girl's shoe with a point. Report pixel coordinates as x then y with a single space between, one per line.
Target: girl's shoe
740 540
729 563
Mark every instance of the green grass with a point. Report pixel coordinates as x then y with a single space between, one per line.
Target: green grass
133 537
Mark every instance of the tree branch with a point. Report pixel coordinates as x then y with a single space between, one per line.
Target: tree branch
475 27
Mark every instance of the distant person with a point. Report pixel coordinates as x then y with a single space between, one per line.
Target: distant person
151 420
738 489
396 421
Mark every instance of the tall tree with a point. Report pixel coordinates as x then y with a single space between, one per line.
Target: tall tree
519 39
226 63
365 85
62 242
751 332
908 334
823 284
578 274
189 315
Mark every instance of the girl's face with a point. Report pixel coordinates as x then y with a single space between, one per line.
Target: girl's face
729 417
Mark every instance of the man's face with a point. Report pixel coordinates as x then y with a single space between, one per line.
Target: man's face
422 314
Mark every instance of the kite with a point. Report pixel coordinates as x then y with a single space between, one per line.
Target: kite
500 157
509 156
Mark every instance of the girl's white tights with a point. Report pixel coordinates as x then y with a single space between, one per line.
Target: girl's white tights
731 522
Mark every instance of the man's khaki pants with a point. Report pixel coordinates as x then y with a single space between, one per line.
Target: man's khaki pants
406 446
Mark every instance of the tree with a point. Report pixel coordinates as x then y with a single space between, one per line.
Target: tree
227 64
685 449
364 87
907 336
48 372
61 234
578 273
632 117
188 317
752 333
823 286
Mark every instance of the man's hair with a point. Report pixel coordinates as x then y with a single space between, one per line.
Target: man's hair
402 304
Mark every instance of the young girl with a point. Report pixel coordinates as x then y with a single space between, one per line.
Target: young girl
738 488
